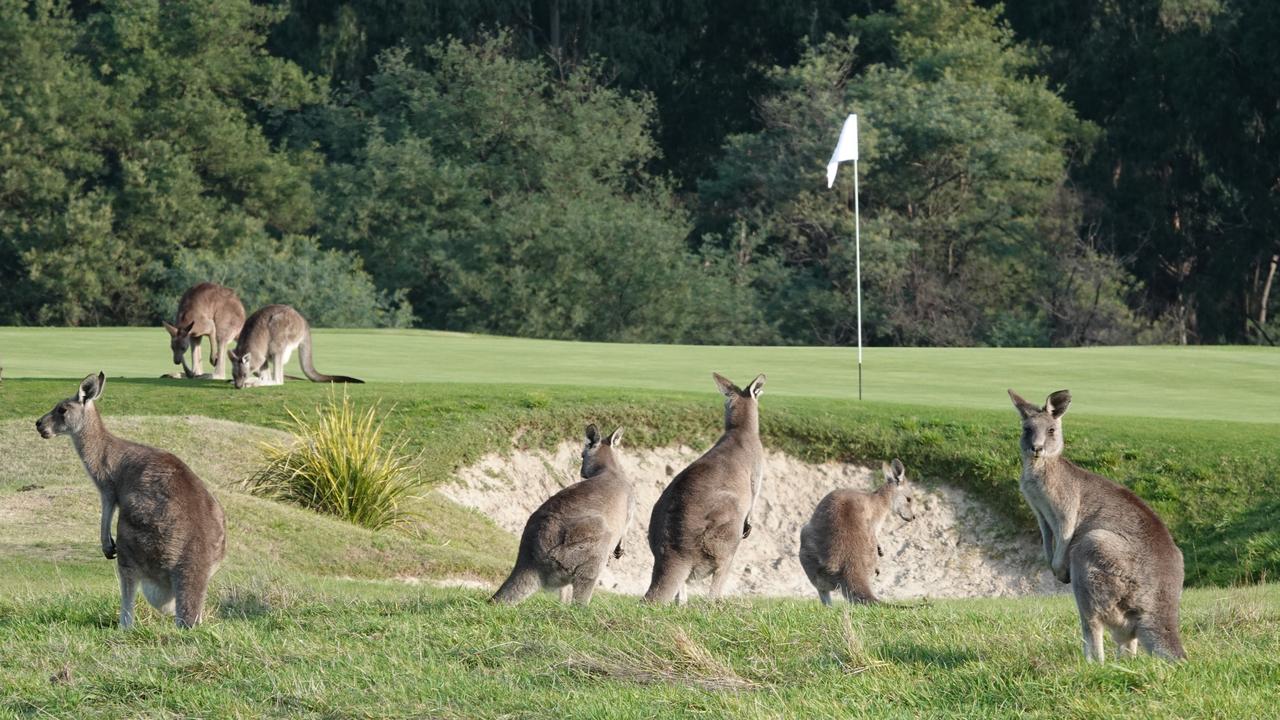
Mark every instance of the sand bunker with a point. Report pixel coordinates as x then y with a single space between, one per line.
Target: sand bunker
955 547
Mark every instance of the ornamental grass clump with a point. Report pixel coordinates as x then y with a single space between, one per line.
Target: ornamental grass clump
338 465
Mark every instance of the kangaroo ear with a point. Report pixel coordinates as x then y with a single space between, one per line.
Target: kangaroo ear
726 385
235 356
172 330
757 386
1058 403
593 435
889 477
615 438
1024 408
91 388
899 471
186 329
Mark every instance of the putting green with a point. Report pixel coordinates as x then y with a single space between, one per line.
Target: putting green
1219 383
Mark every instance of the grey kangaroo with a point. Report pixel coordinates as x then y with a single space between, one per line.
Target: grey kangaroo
705 512
568 539
1121 561
206 310
270 336
171 534
839 548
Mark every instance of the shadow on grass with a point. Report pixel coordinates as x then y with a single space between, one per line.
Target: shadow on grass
909 653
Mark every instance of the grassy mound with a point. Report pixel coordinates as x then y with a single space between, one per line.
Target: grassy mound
1212 482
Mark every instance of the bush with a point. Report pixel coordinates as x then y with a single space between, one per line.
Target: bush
338 466
329 287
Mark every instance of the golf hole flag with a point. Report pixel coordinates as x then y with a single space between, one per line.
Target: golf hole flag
846 148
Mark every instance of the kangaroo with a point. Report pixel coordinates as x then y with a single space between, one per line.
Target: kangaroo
705 512
171 535
270 336
206 310
1121 561
839 546
567 540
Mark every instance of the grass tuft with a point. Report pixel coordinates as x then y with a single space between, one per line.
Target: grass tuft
338 466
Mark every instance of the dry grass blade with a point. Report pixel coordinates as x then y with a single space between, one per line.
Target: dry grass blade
338 465
688 663
851 653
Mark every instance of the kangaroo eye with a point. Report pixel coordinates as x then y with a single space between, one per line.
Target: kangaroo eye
1050 431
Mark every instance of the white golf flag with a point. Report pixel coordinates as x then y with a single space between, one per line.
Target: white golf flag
846 148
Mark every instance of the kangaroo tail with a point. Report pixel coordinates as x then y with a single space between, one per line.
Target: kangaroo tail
522 583
309 369
857 589
1163 642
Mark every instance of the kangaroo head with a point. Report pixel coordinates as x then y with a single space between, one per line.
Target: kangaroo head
243 371
741 407
179 340
902 494
598 452
69 416
1042 426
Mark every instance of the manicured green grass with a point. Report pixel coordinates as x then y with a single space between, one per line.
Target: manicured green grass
1203 383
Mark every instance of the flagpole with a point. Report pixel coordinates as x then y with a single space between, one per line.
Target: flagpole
847 149
857 261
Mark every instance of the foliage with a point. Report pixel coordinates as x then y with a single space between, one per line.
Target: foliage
1183 182
510 200
129 133
329 287
338 465
1084 173
964 153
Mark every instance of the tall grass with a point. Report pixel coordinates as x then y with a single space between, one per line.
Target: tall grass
338 465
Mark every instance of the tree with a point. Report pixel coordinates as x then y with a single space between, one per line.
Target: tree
509 198
133 134
965 153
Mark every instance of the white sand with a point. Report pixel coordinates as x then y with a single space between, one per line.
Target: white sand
955 547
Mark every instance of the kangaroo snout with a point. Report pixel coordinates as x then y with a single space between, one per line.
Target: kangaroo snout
43 428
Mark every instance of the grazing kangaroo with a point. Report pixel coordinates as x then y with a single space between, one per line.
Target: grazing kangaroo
171 535
1121 561
206 310
270 336
567 540
839 546
705 512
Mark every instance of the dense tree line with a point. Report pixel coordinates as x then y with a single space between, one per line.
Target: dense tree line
1054 172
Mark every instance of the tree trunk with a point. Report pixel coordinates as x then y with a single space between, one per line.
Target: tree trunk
1266 291
555 28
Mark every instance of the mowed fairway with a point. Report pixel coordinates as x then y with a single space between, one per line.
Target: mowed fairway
1198 383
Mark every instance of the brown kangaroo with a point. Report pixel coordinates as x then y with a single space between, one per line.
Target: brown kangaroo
270 335
567 540
705 512
171 535
1121 561
839 546
206 310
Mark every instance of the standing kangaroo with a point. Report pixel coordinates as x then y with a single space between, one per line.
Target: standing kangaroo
705 512
171 535
1121 561
206 310
270 336
567 540
839 546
